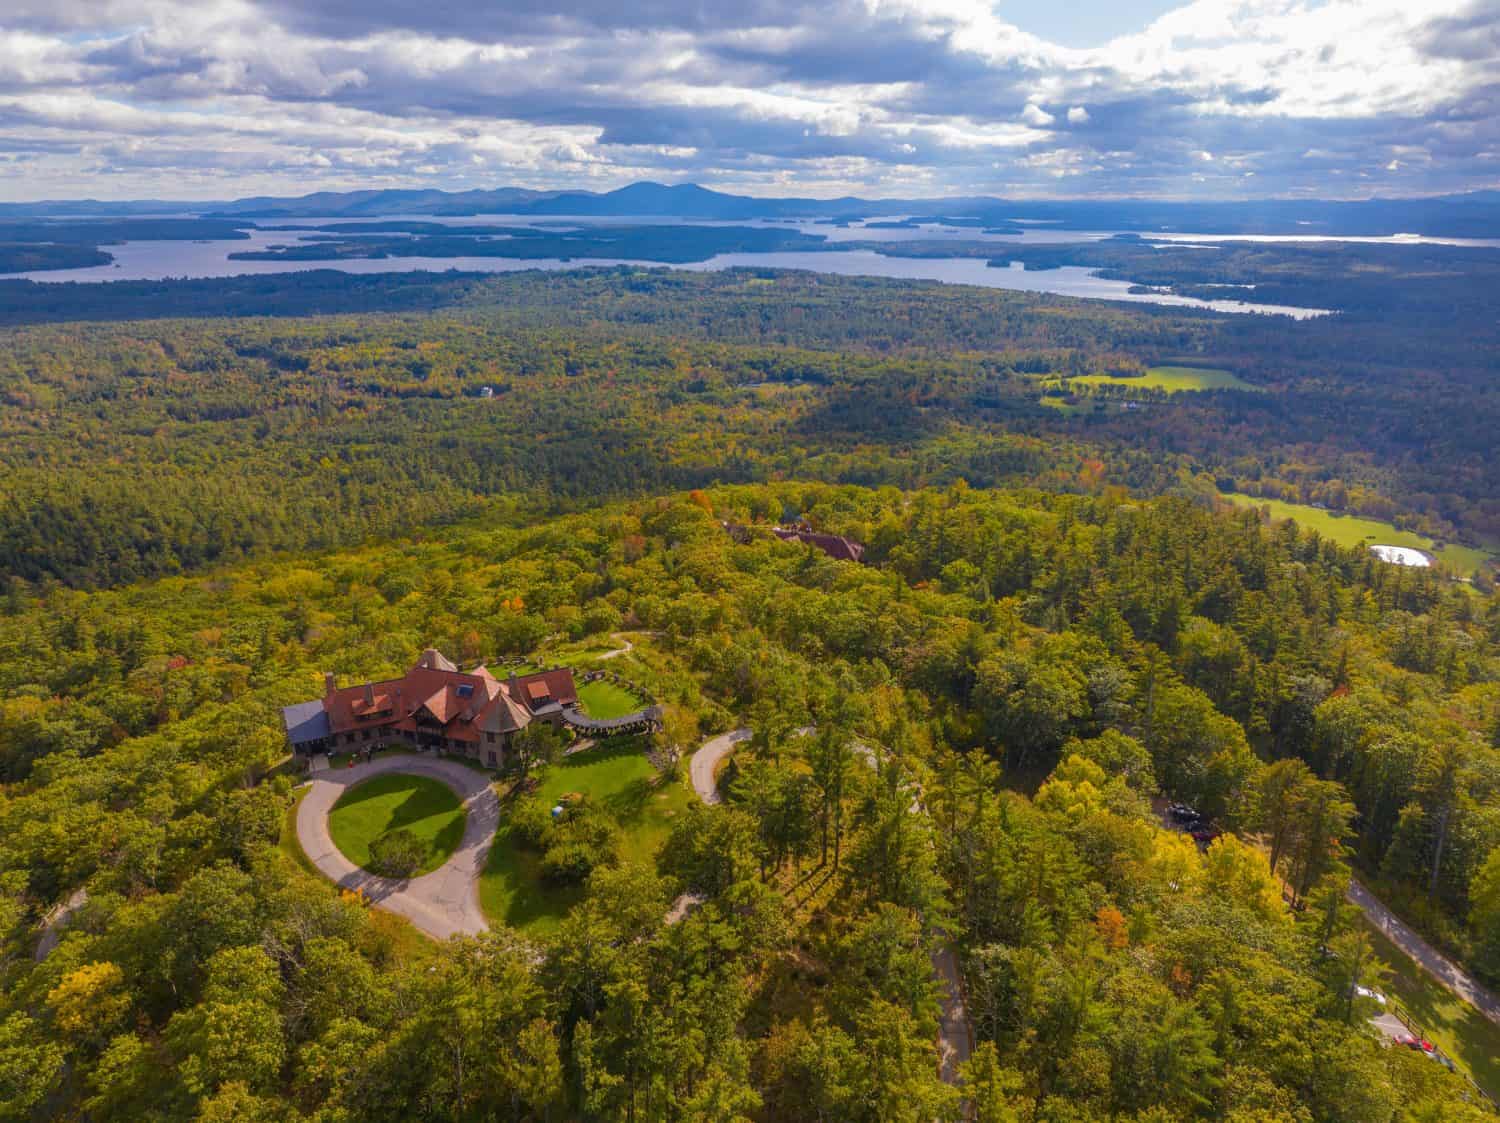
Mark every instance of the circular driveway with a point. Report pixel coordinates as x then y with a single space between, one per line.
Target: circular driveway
442 903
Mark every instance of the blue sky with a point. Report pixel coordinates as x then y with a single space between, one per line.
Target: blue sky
1083 23
1215 99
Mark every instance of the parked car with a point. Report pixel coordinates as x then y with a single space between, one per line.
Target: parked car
1372 995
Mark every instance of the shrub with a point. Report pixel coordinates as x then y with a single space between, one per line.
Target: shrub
398 853
531 823
569 863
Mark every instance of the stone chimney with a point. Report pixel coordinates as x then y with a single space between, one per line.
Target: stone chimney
369 694
330 684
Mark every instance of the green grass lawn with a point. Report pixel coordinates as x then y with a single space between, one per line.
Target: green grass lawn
1352 530
288 843
620 778
603 699
1175 380
1466 1035
503 671
427 808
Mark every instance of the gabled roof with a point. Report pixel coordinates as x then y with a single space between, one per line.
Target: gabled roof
556 686
304 722
442 703
465 705
435 660
836 546
503 715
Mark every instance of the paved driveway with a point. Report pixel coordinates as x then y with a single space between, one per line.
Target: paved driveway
706 762
1439 966
442 903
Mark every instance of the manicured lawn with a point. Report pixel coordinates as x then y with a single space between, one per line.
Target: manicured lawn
1466 1035
1352 530
603 699
503 671
288 843
427 808
618 777
1175 380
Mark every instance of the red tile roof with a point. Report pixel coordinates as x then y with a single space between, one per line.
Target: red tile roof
555 685
464 705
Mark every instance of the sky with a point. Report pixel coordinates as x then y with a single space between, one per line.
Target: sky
1210 99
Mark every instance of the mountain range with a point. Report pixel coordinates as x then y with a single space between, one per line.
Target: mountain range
1475 215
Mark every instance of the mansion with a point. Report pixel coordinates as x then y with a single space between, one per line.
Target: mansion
433 706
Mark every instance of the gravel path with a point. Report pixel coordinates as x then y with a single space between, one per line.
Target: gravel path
1434 962
442 903
626 646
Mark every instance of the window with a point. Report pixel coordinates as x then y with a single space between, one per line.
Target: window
489 739
465 690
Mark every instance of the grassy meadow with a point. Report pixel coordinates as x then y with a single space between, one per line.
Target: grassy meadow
1174 380
1354 530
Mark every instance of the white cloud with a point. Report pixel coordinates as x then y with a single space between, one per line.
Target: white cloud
1037 117
217 96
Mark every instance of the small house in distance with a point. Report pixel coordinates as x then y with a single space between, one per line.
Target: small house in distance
433 706
836 546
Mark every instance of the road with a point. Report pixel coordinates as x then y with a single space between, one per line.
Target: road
442 903
1434 962
955 1038
705 764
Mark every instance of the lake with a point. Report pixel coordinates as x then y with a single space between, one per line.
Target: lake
155 261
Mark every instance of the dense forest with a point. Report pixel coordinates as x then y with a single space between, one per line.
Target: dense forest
213 492
312 431
957 742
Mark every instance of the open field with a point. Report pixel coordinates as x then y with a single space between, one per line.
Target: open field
1461 1031
1353 530
602 699
426 808
1174 380
619 778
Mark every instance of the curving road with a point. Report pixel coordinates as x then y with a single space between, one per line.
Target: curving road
706 762
1434 962
442 903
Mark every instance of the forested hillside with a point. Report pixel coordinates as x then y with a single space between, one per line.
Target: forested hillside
143 448
993 700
